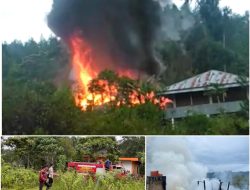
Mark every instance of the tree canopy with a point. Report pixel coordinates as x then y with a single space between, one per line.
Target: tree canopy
37 97
35 152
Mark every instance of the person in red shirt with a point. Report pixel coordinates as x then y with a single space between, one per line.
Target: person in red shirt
43 175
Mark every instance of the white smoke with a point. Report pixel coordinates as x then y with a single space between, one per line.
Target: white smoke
174 160
164 3
172 157
174 21
213 184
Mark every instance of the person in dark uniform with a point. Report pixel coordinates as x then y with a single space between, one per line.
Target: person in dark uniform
107 164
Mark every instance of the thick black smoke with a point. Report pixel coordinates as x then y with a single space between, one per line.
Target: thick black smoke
122 30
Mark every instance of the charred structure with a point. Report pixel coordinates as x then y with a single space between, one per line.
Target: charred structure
156 181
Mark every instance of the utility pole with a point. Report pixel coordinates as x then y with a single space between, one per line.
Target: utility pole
224 40
220 185
228 185
204 183
224 46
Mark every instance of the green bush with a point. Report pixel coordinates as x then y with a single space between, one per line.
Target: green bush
229 125
223 124
76 181
194 125
18 178
62 159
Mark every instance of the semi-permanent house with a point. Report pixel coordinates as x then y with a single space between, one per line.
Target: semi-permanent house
131 165
209 93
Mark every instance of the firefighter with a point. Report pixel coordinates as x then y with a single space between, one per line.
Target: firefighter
107 165
43 177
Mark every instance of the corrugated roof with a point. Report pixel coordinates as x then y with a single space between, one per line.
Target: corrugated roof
204 80
128 159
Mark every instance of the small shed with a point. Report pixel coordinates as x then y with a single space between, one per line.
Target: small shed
131 165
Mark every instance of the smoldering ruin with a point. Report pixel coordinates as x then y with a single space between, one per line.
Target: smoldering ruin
172 165
120 31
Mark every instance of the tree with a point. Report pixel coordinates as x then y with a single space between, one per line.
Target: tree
37 96
132 146
173 56
98 146
23 149
210 12
48 149
212 55
68 147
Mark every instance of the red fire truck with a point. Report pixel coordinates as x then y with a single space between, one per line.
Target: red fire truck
124 167
87 167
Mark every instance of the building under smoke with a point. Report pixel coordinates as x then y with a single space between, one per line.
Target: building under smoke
156 181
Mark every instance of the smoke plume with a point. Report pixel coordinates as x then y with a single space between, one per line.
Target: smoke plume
174 22
174 160
119 31
172 157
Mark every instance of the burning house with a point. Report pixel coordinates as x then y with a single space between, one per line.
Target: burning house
156 181
209 93
112 35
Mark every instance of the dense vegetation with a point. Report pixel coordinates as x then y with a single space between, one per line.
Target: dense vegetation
18 178
34 152
37 98
22 157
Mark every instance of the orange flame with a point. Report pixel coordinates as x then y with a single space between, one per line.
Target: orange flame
85 70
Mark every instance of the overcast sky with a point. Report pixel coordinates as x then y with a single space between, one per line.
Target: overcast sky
23 19
217 153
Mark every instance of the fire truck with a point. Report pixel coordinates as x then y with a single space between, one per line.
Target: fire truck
124 167
86 167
